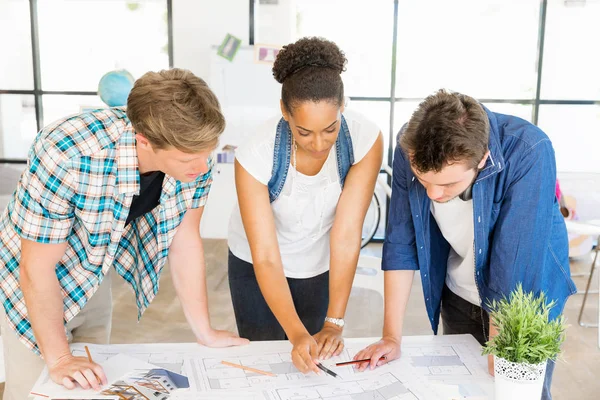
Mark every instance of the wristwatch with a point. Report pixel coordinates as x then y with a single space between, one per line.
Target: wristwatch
336 321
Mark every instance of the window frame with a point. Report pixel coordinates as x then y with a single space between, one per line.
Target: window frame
393 98
37 91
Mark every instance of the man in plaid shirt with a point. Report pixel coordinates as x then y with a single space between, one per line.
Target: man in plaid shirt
107 190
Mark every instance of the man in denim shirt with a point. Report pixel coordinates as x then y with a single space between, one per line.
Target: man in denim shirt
474 209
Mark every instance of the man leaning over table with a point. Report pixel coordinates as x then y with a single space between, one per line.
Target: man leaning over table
474 209
109 190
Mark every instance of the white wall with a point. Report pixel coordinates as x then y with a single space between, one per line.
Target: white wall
197 26
200 24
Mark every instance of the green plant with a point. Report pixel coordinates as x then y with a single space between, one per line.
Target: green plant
525 334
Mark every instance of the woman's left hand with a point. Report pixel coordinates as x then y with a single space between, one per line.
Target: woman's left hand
330 341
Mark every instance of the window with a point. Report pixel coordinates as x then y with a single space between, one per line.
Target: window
402 112
16 65
571 66
472 52
133 36
363 32
489 50
376 111
56 72
466 46
569 110
524 111
574 131
17 125
57 106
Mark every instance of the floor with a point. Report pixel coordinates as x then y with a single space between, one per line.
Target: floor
576 377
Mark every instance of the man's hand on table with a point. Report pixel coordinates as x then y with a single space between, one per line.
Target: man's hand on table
68 370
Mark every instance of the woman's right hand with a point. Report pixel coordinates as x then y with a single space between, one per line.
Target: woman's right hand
68 370
304 353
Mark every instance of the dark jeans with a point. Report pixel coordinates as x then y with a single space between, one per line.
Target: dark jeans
254 318
460 317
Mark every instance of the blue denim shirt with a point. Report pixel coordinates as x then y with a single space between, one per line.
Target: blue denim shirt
282 154
520 234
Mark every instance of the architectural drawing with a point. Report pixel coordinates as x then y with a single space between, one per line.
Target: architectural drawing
431 367
383 387
172 361
221 377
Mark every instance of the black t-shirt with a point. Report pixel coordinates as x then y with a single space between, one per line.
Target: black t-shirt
150 190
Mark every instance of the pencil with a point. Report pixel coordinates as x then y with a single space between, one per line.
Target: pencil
258 371
327 370
382 358
88 354
38 395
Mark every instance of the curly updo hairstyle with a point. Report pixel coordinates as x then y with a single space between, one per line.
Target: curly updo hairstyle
309 70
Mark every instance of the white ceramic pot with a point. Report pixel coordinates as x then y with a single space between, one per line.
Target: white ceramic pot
518 381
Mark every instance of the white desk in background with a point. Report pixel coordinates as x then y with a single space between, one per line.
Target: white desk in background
431 367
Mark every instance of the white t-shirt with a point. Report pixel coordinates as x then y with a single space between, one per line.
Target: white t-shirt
305 210
455 219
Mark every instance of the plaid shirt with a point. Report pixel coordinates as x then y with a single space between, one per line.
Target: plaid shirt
81 178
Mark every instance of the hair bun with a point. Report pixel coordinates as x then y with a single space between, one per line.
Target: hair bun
308 52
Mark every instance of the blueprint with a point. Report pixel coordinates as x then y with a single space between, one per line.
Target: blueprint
215 376
171 360
385 386
430 367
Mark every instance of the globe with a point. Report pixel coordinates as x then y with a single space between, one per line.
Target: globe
114 87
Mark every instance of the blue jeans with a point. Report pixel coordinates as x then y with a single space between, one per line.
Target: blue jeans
254 318
460 317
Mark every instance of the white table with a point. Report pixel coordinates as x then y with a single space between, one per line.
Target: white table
431 367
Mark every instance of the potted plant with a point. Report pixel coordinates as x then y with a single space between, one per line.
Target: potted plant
526 340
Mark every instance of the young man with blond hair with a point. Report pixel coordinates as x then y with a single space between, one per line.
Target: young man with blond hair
474 209
110 190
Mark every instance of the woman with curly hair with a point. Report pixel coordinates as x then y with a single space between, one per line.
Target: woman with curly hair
304 182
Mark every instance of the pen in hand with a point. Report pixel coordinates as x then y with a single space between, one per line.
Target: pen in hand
327 370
